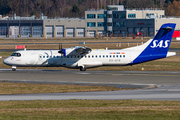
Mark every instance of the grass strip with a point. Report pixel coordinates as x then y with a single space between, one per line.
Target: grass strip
24 88
90 109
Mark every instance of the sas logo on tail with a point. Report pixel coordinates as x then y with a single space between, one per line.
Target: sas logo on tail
160 44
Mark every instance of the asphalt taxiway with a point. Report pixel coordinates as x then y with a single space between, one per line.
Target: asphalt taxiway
165 84
161 93
91 76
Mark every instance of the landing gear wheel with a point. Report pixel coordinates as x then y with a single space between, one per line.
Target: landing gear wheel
82 68
13 68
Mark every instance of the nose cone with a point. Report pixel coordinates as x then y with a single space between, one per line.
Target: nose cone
5 61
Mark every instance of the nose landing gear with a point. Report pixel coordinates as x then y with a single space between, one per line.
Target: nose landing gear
13 68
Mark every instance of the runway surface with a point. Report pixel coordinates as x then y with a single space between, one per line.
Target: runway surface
162 93
91 76
167 83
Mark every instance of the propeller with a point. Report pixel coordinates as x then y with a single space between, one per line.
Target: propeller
60 49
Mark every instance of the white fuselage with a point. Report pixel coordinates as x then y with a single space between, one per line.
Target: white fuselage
53 58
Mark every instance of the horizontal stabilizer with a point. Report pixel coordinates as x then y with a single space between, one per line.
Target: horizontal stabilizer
169 54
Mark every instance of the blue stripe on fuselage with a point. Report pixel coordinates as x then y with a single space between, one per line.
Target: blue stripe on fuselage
64 52
159 46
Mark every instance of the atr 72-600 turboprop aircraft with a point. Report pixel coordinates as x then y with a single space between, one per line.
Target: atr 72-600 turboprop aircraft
84 57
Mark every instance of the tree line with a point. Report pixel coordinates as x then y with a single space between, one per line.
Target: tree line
76 8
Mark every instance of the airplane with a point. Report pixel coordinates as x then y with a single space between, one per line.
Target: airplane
81 57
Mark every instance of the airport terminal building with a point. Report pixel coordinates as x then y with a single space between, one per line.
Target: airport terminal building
114 21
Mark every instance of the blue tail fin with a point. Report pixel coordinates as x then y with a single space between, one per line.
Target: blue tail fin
159 46
162 40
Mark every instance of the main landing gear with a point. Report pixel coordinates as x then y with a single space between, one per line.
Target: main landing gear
81 68
13 68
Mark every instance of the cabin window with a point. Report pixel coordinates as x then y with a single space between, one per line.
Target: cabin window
16 54
43 56
99 56
124 56
67 56
117 56
96 56
47 56
107 56
103 56
120 55
110 56
81 56
113 55
78 56
89 56
40 56
92 56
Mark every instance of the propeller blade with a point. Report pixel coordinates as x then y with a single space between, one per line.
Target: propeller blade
60 49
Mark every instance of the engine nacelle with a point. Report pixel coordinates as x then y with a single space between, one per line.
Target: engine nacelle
77 50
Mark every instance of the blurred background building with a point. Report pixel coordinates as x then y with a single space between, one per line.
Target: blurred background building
115 21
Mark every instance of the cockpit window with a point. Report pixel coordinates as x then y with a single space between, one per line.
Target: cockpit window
16 54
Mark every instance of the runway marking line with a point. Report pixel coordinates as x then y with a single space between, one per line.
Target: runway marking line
173 90
147 75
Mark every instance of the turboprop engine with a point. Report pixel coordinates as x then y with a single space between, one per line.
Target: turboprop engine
77 50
